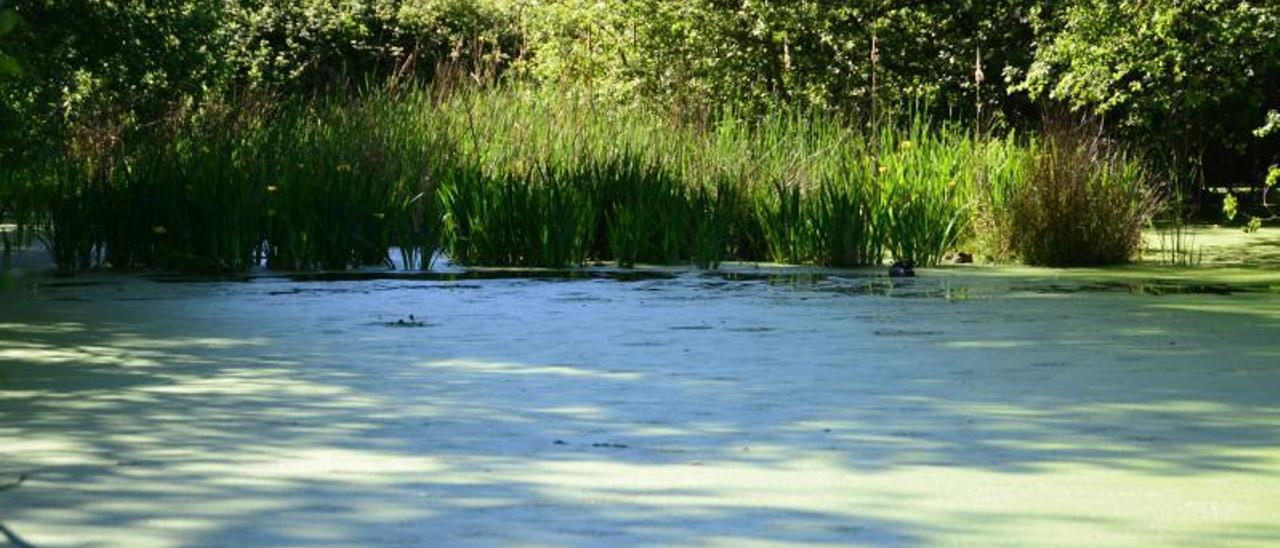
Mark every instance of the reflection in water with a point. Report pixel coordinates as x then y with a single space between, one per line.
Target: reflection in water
853 283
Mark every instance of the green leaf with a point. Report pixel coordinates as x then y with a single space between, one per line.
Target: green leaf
8 20
9 66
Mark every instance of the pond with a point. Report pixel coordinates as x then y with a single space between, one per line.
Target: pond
658 406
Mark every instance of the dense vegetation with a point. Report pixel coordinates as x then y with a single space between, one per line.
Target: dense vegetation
322 133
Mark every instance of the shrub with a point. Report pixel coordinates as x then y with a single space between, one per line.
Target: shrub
1083 202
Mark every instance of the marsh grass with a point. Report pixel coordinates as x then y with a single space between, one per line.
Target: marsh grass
927 190
513 221
19 208
650 216
511 176
1082 203
842 216
716 210
1000 166
1177 245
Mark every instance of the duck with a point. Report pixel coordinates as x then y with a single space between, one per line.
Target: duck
902 269
412 322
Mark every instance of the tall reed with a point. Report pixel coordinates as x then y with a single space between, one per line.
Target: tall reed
1083 202
510 176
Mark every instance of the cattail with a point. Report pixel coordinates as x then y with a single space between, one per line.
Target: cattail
786 55
978 75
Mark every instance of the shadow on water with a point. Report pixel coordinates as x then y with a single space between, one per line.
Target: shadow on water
119 394
481 417
11 537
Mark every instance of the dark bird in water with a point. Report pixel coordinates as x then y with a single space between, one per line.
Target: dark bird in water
902 269
413 322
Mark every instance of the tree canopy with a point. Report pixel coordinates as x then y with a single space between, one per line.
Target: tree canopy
1182 79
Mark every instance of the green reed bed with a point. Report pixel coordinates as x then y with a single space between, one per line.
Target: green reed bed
926 182
511 176
1076 200
342 185
507 220
320 185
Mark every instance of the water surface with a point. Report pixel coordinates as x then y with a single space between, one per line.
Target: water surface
755 406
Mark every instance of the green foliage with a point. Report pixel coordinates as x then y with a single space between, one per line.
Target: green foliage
349 180
299 186
842 216
553 133
309 45
325 184
105 65
513 221
1230 208
9 66
649 213
104 68
1177 76
927 183
1193 81
1082 202
705 53
1000 167
716 210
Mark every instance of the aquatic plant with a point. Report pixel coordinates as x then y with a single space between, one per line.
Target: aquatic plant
716 209
511 176
999 166
19 209
843 219
1083 202
927 190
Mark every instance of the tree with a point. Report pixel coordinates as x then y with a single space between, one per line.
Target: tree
1189 80
103 64
812 52
8 20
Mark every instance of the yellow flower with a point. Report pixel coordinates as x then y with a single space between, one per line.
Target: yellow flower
272 188
883 170
905 145
951 184
159 230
